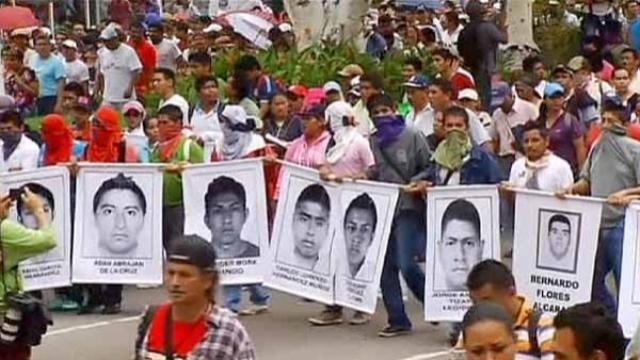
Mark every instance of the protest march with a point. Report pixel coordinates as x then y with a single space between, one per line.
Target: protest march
234 180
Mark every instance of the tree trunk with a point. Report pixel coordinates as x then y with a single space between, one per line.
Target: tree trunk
520 21
316 20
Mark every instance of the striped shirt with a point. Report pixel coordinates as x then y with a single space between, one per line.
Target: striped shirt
544 331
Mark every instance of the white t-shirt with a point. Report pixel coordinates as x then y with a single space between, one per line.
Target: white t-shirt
168 54
76 71
180 102
24 157
206 124
556 176
118 67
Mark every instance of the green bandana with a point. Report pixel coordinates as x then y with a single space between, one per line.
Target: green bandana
452 150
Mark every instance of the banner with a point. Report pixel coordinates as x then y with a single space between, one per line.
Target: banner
226 204
367 210
301 256
463 228
555 242
629 298
118 224
53 268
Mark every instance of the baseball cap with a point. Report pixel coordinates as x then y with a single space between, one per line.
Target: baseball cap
468 94
108 33
315 110
351 70
577 63
285 27
235 114
336 112
499 92
417 82
297 90
331 86
213 28
553 89
194 250
70 44
561 68
133 105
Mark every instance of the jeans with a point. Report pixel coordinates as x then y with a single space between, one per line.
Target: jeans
407 243
233 296
15 352
608 259
107 295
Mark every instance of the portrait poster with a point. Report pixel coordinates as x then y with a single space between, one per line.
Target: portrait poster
53 268
554 247
629 298
226 203
118 224
463 228
301 259
362 232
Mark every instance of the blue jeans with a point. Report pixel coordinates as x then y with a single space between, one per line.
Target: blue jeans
608 259
233 296
406 244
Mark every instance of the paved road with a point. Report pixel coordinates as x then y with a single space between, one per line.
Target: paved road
281 334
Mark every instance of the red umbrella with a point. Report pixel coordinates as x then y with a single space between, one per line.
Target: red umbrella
15 17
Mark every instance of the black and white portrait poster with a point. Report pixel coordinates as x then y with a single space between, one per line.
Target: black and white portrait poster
118 224
362 232
301 258
554 247
226 203
629 298
53 268
462 230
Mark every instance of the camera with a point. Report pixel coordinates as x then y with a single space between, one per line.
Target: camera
14 194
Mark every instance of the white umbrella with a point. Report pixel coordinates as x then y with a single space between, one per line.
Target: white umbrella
251 26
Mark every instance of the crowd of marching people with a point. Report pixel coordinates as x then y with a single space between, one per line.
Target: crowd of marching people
568 129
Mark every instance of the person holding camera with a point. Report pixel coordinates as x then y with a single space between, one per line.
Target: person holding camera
22 318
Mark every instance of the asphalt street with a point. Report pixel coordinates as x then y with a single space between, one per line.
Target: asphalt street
281 334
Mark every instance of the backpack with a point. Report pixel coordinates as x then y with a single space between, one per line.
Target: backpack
468 46
143 327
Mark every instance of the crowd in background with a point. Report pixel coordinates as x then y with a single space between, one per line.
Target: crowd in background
142 88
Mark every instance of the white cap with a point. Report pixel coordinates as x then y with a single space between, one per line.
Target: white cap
336 112
331 86
45 30
235 114
23 31
469 94
109 33
285 27
70 44
213 28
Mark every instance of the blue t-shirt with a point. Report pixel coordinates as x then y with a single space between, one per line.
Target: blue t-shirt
634 34
49 72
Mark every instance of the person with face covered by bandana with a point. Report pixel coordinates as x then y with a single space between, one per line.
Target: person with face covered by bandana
240 142
107 145
175 150
401 156
457 160
349 158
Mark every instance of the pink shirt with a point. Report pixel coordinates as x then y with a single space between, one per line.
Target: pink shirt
312 154
307 154
355 161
